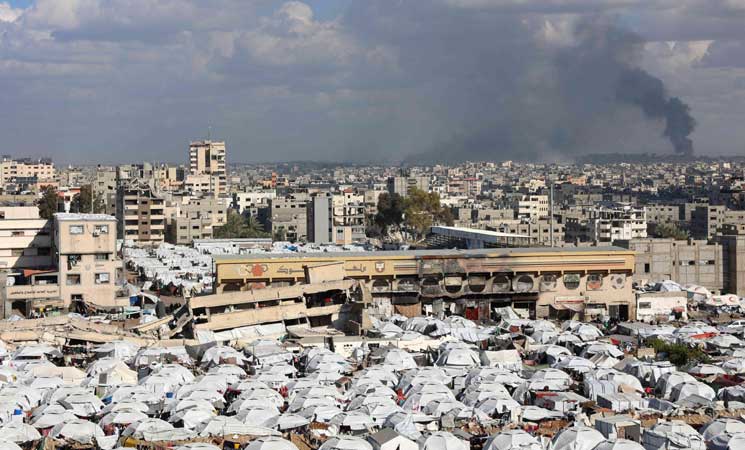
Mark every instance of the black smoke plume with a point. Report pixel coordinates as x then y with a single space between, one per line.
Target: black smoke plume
642 89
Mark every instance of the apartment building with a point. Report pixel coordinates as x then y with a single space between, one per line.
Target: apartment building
243 201
25 238
531 207
208 158
141 213
104 187
707 220
338 219
403 185
11 170
82 266
85 249
193 218
606 223
288 217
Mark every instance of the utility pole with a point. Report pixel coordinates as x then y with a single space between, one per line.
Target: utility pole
550 208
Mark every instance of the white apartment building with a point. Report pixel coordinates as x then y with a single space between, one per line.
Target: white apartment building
617 222
533 207
208 158
25 238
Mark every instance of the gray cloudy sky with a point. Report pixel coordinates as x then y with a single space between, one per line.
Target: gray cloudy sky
127 80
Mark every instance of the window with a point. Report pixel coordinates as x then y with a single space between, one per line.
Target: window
646 267
102 278
76 229
571 281
17 233
43 251
645 305
102 229
72 261
73 279
102 256
16 252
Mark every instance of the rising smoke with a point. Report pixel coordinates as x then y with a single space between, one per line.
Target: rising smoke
501 88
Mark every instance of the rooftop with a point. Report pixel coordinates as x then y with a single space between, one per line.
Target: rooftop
73 217
453 253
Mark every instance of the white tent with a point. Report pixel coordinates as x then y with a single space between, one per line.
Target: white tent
18 432
271 443
619 444
442 440
673 434
81 431
346 443
512 439
721 426
576 438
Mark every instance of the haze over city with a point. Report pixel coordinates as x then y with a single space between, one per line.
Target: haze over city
374 80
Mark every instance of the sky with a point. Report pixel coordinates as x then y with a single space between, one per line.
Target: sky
111 81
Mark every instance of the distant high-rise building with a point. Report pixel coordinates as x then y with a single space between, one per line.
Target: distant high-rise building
208 158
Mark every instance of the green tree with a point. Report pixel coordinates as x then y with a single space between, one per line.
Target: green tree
390 211
422 210
252 228
670 230
82 202
48 202
239 227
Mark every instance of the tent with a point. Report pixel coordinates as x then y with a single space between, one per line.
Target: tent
722 426
619 444
442 440
576 438
512 439
271 443
346 443
672 434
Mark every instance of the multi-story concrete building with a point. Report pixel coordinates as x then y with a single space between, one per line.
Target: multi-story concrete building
615 222
208 158
104 187
85 248
195 218
288 217
13 169
686 262
531 207
707 220
243 201
25 238
141 213
83 267
403 185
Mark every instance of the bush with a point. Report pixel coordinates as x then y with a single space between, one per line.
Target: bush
679 354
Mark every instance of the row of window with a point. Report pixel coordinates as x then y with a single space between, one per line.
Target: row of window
73 279
97 229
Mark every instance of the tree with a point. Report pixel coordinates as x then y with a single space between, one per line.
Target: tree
48 202
670 230
232 227
239 227
82 202
390 211
423 209
99 204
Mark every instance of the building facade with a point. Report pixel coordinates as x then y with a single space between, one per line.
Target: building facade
208 158
566 283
